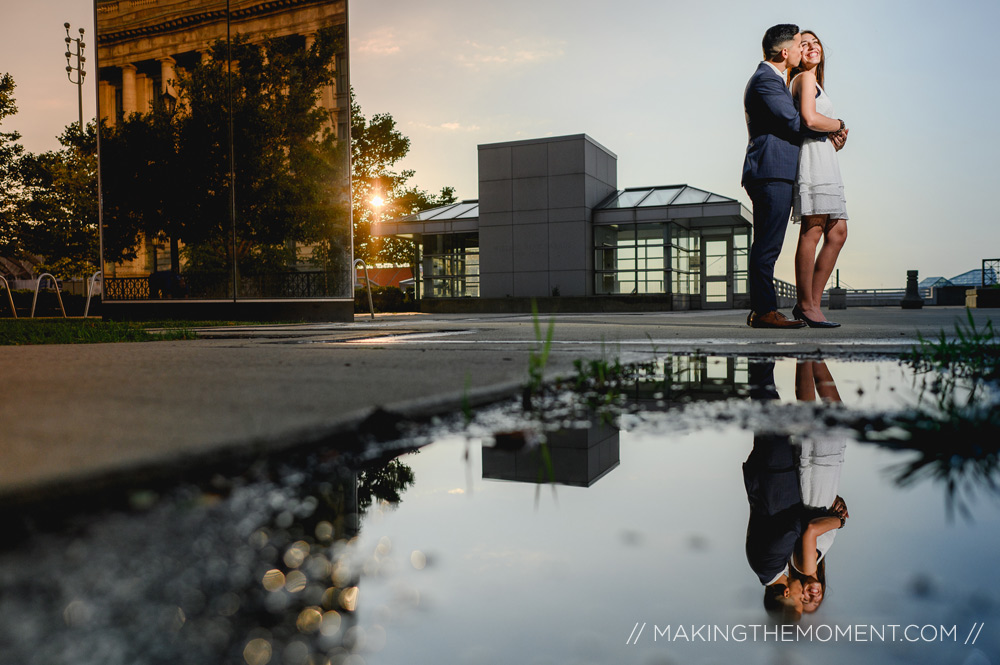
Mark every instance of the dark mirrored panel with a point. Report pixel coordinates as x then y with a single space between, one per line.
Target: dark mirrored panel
290 147
224 149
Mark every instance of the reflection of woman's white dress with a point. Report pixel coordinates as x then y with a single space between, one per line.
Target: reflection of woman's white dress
819 189
820 461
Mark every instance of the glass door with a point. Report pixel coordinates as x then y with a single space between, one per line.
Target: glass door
717 273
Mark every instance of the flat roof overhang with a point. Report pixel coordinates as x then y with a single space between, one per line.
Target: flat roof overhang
723 213
414 229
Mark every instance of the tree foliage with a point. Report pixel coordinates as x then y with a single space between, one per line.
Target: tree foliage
59 205
376 147
169 176
10 155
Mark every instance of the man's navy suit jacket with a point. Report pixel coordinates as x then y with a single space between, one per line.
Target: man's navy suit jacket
774 126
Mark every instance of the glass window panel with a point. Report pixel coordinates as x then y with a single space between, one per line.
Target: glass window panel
717 368
628 199
424 215
715 291
651 282
453 211
715 198
715 258
473 211
740 260
660 197
690 195
652 233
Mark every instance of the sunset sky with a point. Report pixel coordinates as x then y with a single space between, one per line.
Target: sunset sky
660 84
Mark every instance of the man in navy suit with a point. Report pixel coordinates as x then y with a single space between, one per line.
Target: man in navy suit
775 134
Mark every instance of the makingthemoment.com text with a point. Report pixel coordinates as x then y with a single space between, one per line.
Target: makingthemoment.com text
800 633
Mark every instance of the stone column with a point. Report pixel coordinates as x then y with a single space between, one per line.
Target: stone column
168 76
106 100
142 93
128 90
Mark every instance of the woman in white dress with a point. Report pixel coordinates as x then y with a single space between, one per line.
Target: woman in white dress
818 202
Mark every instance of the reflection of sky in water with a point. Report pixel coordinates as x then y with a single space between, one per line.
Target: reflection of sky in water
564 575
474 570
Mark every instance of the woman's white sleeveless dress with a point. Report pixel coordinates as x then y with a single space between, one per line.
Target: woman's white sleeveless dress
819 189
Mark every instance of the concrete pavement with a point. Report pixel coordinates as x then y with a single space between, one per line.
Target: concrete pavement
79 416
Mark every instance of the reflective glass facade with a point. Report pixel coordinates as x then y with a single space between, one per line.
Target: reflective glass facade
450 265
224 151
667 258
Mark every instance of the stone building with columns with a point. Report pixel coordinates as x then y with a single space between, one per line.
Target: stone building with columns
143 45
146 50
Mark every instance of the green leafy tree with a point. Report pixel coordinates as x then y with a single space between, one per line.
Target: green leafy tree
376 147
59 205
10 154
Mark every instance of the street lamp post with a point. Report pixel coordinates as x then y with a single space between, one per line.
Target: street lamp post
79 68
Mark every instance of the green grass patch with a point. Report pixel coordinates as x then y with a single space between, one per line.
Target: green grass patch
973 353
81 331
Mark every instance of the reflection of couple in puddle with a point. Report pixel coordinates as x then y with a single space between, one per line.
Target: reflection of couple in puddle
791 484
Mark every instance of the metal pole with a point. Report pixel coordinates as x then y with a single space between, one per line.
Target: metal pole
79 68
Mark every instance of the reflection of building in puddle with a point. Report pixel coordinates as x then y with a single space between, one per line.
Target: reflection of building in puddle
693 378
569 457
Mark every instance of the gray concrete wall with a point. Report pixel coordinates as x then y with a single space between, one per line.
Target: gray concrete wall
535 208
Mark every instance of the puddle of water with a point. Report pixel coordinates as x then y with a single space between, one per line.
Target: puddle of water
631 540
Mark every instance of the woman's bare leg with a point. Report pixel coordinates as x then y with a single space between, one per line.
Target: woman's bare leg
805 263
834 237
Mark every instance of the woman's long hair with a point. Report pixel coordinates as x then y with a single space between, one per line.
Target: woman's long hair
819 68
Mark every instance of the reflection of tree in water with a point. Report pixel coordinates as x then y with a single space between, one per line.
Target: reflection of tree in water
955 428
383 483
960 452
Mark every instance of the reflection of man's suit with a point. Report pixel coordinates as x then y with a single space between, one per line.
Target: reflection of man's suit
775 131
771 477
772 481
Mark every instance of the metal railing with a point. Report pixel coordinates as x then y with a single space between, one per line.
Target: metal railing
878 297
991 268
38 285
9 296
90 290
368 284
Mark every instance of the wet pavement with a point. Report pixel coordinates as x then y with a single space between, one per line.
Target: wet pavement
78 417
624 521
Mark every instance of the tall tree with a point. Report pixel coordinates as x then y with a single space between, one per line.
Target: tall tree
59 205
10 155
376 147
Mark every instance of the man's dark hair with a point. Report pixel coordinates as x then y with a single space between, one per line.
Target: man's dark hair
776 36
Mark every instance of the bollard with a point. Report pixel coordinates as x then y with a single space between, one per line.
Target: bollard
838 298
912 299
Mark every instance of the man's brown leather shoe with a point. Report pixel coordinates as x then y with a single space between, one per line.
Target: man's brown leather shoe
774 319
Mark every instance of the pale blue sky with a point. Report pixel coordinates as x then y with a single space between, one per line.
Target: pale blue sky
660 84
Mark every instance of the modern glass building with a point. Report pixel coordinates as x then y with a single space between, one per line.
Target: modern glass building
551 222
224 154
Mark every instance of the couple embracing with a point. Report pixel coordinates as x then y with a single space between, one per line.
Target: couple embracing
791 166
